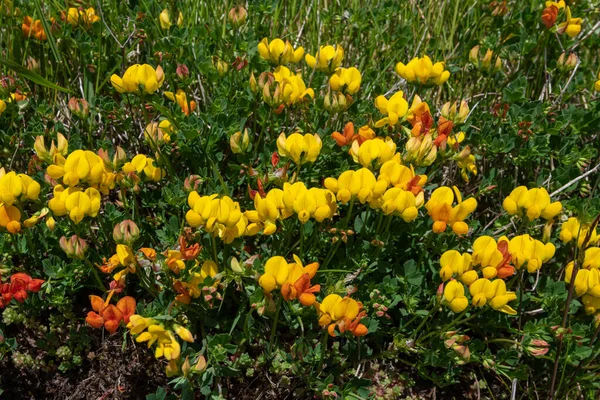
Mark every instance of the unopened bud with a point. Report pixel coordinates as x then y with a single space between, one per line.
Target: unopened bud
191 183
182 71
200 366
126 232
239 142
186 367
253 83
237 16
79 107
74 247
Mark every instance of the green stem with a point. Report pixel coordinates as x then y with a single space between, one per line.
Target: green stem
96 276
214 247
274 326
323 351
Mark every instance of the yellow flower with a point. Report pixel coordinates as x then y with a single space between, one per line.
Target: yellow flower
400 202
373 153
300 148
596 85
306 203
138 77
137 324
17 187
158 132
571 26
530 252
535 202
165 19
327 59
76 203
346 80
439 207
181 98
360 184
266 211
342 312
86 18
574 230
2 106
276 274
483 291
421 150
141 163
125 255
423 71
403 177
62 148
454 263
454 296
10 218
278 52
394 108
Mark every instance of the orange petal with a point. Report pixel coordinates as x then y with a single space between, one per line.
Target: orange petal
97 303
94 320
127 307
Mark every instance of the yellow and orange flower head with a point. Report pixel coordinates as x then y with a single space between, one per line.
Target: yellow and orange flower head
439 207
345 80
529 252
394 109
75 203
454 296
139 79
483 291
403 177
373 153
492 258
571 26
534 203
187 107
110 316
328 59
33 28
345 313
360 184
398 202
278 52
423 71
300 148
292 278
284 88
573 229
159 132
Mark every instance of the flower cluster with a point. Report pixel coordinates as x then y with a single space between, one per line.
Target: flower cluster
440 209
15 190
587 279
292 279
18 287
108 315
423 71
139 79
534 203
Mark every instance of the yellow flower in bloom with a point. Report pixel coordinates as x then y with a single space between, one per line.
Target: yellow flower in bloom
558 4
314 203
181 98
137 324
2 106
535 202
288 88
158 132
345 80
165 19
62 148
276 274
141 163
75 202
439 207
81 166
530 252
399 202
138 77
394 108
344 313
278 52
125 255
360 184
571 26
17 187
587 281
403 177
327 59
423 71
220 216
454 296
300 148
596 85
492 257
373 153
421 151
166 344
483 291
86 18
453 263
266 210
572 229
195 282
466 163
292 278
10 218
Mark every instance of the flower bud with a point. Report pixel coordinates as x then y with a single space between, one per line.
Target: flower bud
172 368
74 247
119 158
40 149
183 333
567 63
537 347
50 223
191 183
186 367
182 71
235 266
239 143
126 232
200 366
79 107
237 16
32 64
253 83
474 55
221 66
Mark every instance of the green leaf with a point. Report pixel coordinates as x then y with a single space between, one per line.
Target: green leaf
32 76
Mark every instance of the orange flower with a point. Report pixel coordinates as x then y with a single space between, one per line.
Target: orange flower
354 326
149 253
549 16
109 265
444 130
33 28
108 315
504 268
183 297
346 137
191 252
301 290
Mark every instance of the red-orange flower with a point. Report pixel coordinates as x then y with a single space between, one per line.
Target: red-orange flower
301 290
354 326
18 287
33 28
108 315
191 252
549 16
504 268
346 137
